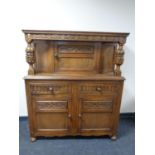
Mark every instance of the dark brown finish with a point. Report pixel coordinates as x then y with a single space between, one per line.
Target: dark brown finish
74 83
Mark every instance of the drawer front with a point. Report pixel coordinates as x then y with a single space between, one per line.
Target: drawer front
94 88
49 88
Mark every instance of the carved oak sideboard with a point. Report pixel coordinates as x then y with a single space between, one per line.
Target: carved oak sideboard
74 83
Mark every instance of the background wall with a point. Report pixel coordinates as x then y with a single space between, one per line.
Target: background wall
84 15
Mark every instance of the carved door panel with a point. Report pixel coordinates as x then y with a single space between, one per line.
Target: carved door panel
96 114
77 56
52 115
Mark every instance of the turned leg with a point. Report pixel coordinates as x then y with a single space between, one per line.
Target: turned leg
33 139
113 137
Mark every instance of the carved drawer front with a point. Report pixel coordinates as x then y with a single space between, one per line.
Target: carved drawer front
94 88
49 88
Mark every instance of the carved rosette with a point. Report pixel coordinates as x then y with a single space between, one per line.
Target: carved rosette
30 57
119 58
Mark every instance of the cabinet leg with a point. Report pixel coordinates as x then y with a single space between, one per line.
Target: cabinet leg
113 137
33 139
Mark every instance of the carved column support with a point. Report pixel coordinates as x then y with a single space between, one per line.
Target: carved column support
119 58
30 56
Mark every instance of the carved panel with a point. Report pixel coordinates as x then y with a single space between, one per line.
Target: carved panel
51 105
49 89
75 49
97 104
74 63
79 37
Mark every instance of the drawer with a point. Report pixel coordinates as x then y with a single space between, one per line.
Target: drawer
49 88
98 87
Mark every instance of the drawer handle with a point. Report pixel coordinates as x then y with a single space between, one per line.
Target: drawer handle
79 115
69 116
99 89
50 89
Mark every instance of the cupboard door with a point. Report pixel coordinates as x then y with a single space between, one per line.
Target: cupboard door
76 56
96 114
52 116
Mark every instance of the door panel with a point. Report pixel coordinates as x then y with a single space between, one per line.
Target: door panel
52 115
96 121
76 57
52 121
96 113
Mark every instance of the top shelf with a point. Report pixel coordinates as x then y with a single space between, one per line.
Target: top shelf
76 32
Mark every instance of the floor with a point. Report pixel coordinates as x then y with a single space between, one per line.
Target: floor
124 145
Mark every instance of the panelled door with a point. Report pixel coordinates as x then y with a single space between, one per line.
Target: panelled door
96 104
51 103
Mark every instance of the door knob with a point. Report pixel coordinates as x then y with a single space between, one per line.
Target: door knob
69 116
79 115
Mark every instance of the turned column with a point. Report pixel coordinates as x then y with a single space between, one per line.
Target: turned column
30 56
119 58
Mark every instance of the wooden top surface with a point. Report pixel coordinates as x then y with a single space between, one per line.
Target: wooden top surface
72 77
76 32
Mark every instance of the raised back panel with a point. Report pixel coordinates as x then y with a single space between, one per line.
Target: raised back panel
44 56
108 51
